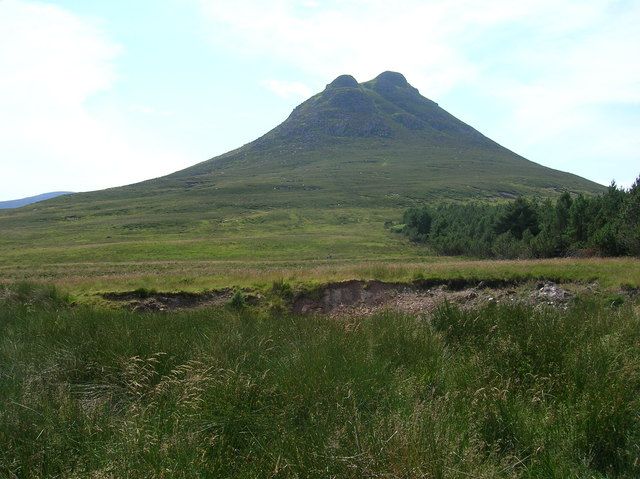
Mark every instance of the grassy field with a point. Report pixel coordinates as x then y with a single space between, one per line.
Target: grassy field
496 392
93 253
99 253
86 279
318 187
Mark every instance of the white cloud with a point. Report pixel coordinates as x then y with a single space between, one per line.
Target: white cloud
357 38
50 55
52 65
567 114
575 76
426 40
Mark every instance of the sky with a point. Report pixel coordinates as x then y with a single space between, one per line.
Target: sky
95 94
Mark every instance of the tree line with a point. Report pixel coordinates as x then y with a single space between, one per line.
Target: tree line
605 225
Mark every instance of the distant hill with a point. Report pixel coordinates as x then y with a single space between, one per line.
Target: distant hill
319 185
31 199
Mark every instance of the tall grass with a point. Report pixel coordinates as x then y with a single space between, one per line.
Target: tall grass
497 392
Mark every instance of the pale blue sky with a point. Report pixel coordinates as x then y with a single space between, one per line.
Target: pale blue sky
105 93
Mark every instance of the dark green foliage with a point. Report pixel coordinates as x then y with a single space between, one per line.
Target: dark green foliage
579 220
456 230
606 225
238 300
497 392
417 222
631 220
519 217
562 209
280 297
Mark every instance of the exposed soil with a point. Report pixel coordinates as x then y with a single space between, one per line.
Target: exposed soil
152 301
357 297
367 297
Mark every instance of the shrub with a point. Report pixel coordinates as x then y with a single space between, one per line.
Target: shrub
238 300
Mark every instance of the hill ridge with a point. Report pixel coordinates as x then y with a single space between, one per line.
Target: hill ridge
387 115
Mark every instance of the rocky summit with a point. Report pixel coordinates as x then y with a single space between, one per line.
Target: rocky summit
385 107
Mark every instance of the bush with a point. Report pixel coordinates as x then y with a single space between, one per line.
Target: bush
238 300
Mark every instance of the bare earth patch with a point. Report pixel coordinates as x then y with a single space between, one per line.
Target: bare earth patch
362 298
153 301
357 298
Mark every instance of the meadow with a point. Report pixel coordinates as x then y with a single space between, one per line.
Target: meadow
101 251
499 391
86 280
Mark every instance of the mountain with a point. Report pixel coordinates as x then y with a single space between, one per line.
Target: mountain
31 199
378 142
321 184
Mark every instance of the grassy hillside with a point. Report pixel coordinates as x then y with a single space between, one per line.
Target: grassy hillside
319 185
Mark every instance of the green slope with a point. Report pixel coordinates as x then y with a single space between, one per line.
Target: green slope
321 183
374 144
